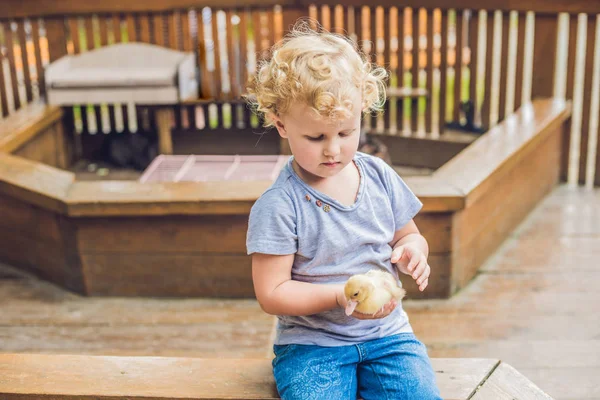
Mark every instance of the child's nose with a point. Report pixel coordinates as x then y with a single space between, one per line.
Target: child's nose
332 148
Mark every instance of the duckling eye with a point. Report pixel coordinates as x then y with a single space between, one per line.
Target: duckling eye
356 294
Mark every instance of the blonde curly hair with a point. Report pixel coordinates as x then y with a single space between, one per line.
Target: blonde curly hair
323 70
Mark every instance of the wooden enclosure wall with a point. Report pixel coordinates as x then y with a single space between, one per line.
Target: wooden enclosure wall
498 59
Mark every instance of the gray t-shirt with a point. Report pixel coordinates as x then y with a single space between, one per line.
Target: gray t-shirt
331 242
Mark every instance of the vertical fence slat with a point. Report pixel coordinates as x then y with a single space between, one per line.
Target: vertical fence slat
487 104
504 66
430 71
473 59
201 49
35 38
443 71
521 43
188 44
103 25
25 59
173 28
3 93
74 34
232 50
89 33
218 79
131 22
158 29
569 77
144 28
458 66
116 26
593 154
8 40
584 66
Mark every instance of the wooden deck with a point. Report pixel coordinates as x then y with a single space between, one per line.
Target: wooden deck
535 305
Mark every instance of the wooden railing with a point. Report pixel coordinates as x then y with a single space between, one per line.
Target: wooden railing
496 58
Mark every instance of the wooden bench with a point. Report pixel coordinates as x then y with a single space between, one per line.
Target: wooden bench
66 377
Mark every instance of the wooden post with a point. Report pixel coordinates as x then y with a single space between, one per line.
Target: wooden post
163 124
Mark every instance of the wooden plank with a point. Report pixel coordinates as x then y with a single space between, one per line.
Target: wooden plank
133 198
410 150
473 39
74 34
188 274
521 20
103 25
44 148
443 71
116 27
504 66
507 383
429 70
165 235
88 29
28 220
34 183
477 233
459 378
25 59
458 65
131 28
587 97
143 20
10 54
25 124
14 9
473 166
136 377
194 378
415 67
489 58
3 92
35 38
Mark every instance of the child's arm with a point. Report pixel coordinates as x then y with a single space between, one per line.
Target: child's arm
410 251
278 294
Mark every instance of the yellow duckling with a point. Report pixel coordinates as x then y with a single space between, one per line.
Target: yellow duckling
368 293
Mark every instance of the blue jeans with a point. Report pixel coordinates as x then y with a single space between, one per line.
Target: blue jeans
395 367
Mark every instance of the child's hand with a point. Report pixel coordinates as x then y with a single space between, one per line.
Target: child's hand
410 260
384 312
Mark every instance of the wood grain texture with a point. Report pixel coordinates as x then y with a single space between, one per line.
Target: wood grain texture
20 9
181 378
26 124
506 383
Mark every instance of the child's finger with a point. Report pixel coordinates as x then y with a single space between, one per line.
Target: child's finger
419 268
397 254
424 275
424 285
413 265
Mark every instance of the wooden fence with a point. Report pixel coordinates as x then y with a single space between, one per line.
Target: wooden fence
451 52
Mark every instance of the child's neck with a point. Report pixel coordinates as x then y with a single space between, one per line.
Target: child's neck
342 187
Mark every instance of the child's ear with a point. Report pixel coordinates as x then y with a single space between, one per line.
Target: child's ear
279 126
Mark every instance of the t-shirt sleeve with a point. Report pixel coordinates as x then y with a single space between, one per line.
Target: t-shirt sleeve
272 225
405 205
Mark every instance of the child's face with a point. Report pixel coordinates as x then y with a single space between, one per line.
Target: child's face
320 147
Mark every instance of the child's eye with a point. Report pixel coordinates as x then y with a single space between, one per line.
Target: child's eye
314 139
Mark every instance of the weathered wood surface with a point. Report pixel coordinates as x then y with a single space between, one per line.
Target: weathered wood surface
20 9
25 376
535 303
27 123
40 317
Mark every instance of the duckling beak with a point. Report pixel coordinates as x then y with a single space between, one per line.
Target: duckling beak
350 306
